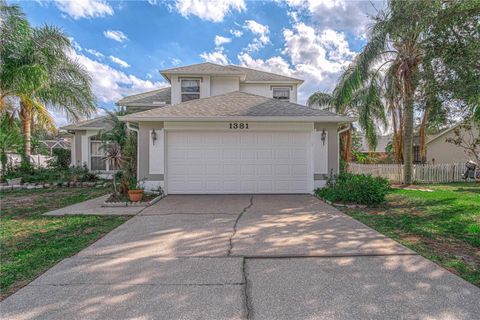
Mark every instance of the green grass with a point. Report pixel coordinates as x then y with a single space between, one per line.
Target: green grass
443 225
31 243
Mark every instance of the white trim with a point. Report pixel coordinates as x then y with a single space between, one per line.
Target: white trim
279 82
224 126
242 118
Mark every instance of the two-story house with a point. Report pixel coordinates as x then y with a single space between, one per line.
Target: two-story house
223 129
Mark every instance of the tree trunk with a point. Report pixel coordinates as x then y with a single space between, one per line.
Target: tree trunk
26 117
408 140
422 136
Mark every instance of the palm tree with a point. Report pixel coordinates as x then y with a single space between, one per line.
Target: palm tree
10 138
395 44
365 103
38 74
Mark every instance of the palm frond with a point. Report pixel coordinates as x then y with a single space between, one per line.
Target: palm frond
322 100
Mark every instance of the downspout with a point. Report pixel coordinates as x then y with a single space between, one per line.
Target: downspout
338 142
129 127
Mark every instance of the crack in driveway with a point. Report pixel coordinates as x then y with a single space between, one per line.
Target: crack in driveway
230 241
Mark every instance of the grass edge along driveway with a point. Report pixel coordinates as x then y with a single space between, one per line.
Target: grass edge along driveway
31 243
443 225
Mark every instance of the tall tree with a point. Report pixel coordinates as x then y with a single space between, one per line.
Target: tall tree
396 43
38 74
365 103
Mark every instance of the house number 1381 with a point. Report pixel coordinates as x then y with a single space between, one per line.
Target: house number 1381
238 125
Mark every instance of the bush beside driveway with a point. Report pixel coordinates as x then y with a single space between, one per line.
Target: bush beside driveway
31 243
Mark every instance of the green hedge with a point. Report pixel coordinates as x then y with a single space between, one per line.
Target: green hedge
359 189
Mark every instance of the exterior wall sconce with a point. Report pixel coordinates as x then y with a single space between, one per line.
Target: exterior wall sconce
154 136
324 136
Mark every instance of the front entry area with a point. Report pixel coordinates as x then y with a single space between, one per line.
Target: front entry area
224 162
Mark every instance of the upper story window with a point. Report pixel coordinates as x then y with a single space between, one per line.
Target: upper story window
281 93
190 89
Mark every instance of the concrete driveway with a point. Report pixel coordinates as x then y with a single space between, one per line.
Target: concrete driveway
244 257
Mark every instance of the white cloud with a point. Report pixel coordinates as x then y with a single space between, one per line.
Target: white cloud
84 8
116 35
211 10
318 57
175 61
327 50
236 33
109 84
219 40
217 56
339 14
119 61
262 33
95 53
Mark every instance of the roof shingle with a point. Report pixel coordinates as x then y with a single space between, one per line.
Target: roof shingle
258 75
233 104
150 97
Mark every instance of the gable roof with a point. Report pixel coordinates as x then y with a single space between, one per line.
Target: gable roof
444 132
98 123
246 74
235 106
154 97
258 75
202 68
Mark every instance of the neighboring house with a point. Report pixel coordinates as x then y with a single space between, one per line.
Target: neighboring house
224 129
382 143
63 143
441 151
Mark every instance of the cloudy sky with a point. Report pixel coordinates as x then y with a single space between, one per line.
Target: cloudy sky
124 44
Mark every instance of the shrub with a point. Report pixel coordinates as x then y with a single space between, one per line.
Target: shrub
50 175
61 159
351 188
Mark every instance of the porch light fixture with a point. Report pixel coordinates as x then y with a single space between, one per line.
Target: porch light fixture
324 136
154 136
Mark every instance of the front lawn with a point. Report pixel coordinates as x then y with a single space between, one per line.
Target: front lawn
31 243
443 225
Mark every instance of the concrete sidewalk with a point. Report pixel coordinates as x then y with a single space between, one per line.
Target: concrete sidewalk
94 207
244 257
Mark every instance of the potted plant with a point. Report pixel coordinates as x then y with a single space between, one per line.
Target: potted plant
135 190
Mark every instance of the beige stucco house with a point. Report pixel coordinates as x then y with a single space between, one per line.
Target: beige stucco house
223 129
441 151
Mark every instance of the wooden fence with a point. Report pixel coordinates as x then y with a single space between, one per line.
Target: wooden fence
422 173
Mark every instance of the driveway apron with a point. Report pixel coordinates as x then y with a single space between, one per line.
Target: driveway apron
244 257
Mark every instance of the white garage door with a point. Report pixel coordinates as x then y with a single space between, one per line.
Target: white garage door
238 162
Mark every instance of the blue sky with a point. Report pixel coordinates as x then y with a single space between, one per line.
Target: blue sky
125 43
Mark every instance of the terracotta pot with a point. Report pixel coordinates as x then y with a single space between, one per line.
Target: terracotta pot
135 195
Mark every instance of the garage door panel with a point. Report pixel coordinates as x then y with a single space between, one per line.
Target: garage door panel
238 162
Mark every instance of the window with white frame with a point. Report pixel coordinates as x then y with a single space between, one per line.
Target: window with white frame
281 93
96 156
190 89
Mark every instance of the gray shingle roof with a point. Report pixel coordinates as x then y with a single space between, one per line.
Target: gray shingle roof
147 98
257 75
95 123
212 68
203 68
233 104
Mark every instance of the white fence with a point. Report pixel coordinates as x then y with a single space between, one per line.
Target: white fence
422 173
37 160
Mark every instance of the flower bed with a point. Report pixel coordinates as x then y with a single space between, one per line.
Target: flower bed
119 200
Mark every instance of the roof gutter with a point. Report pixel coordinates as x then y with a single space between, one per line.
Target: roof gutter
336 119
